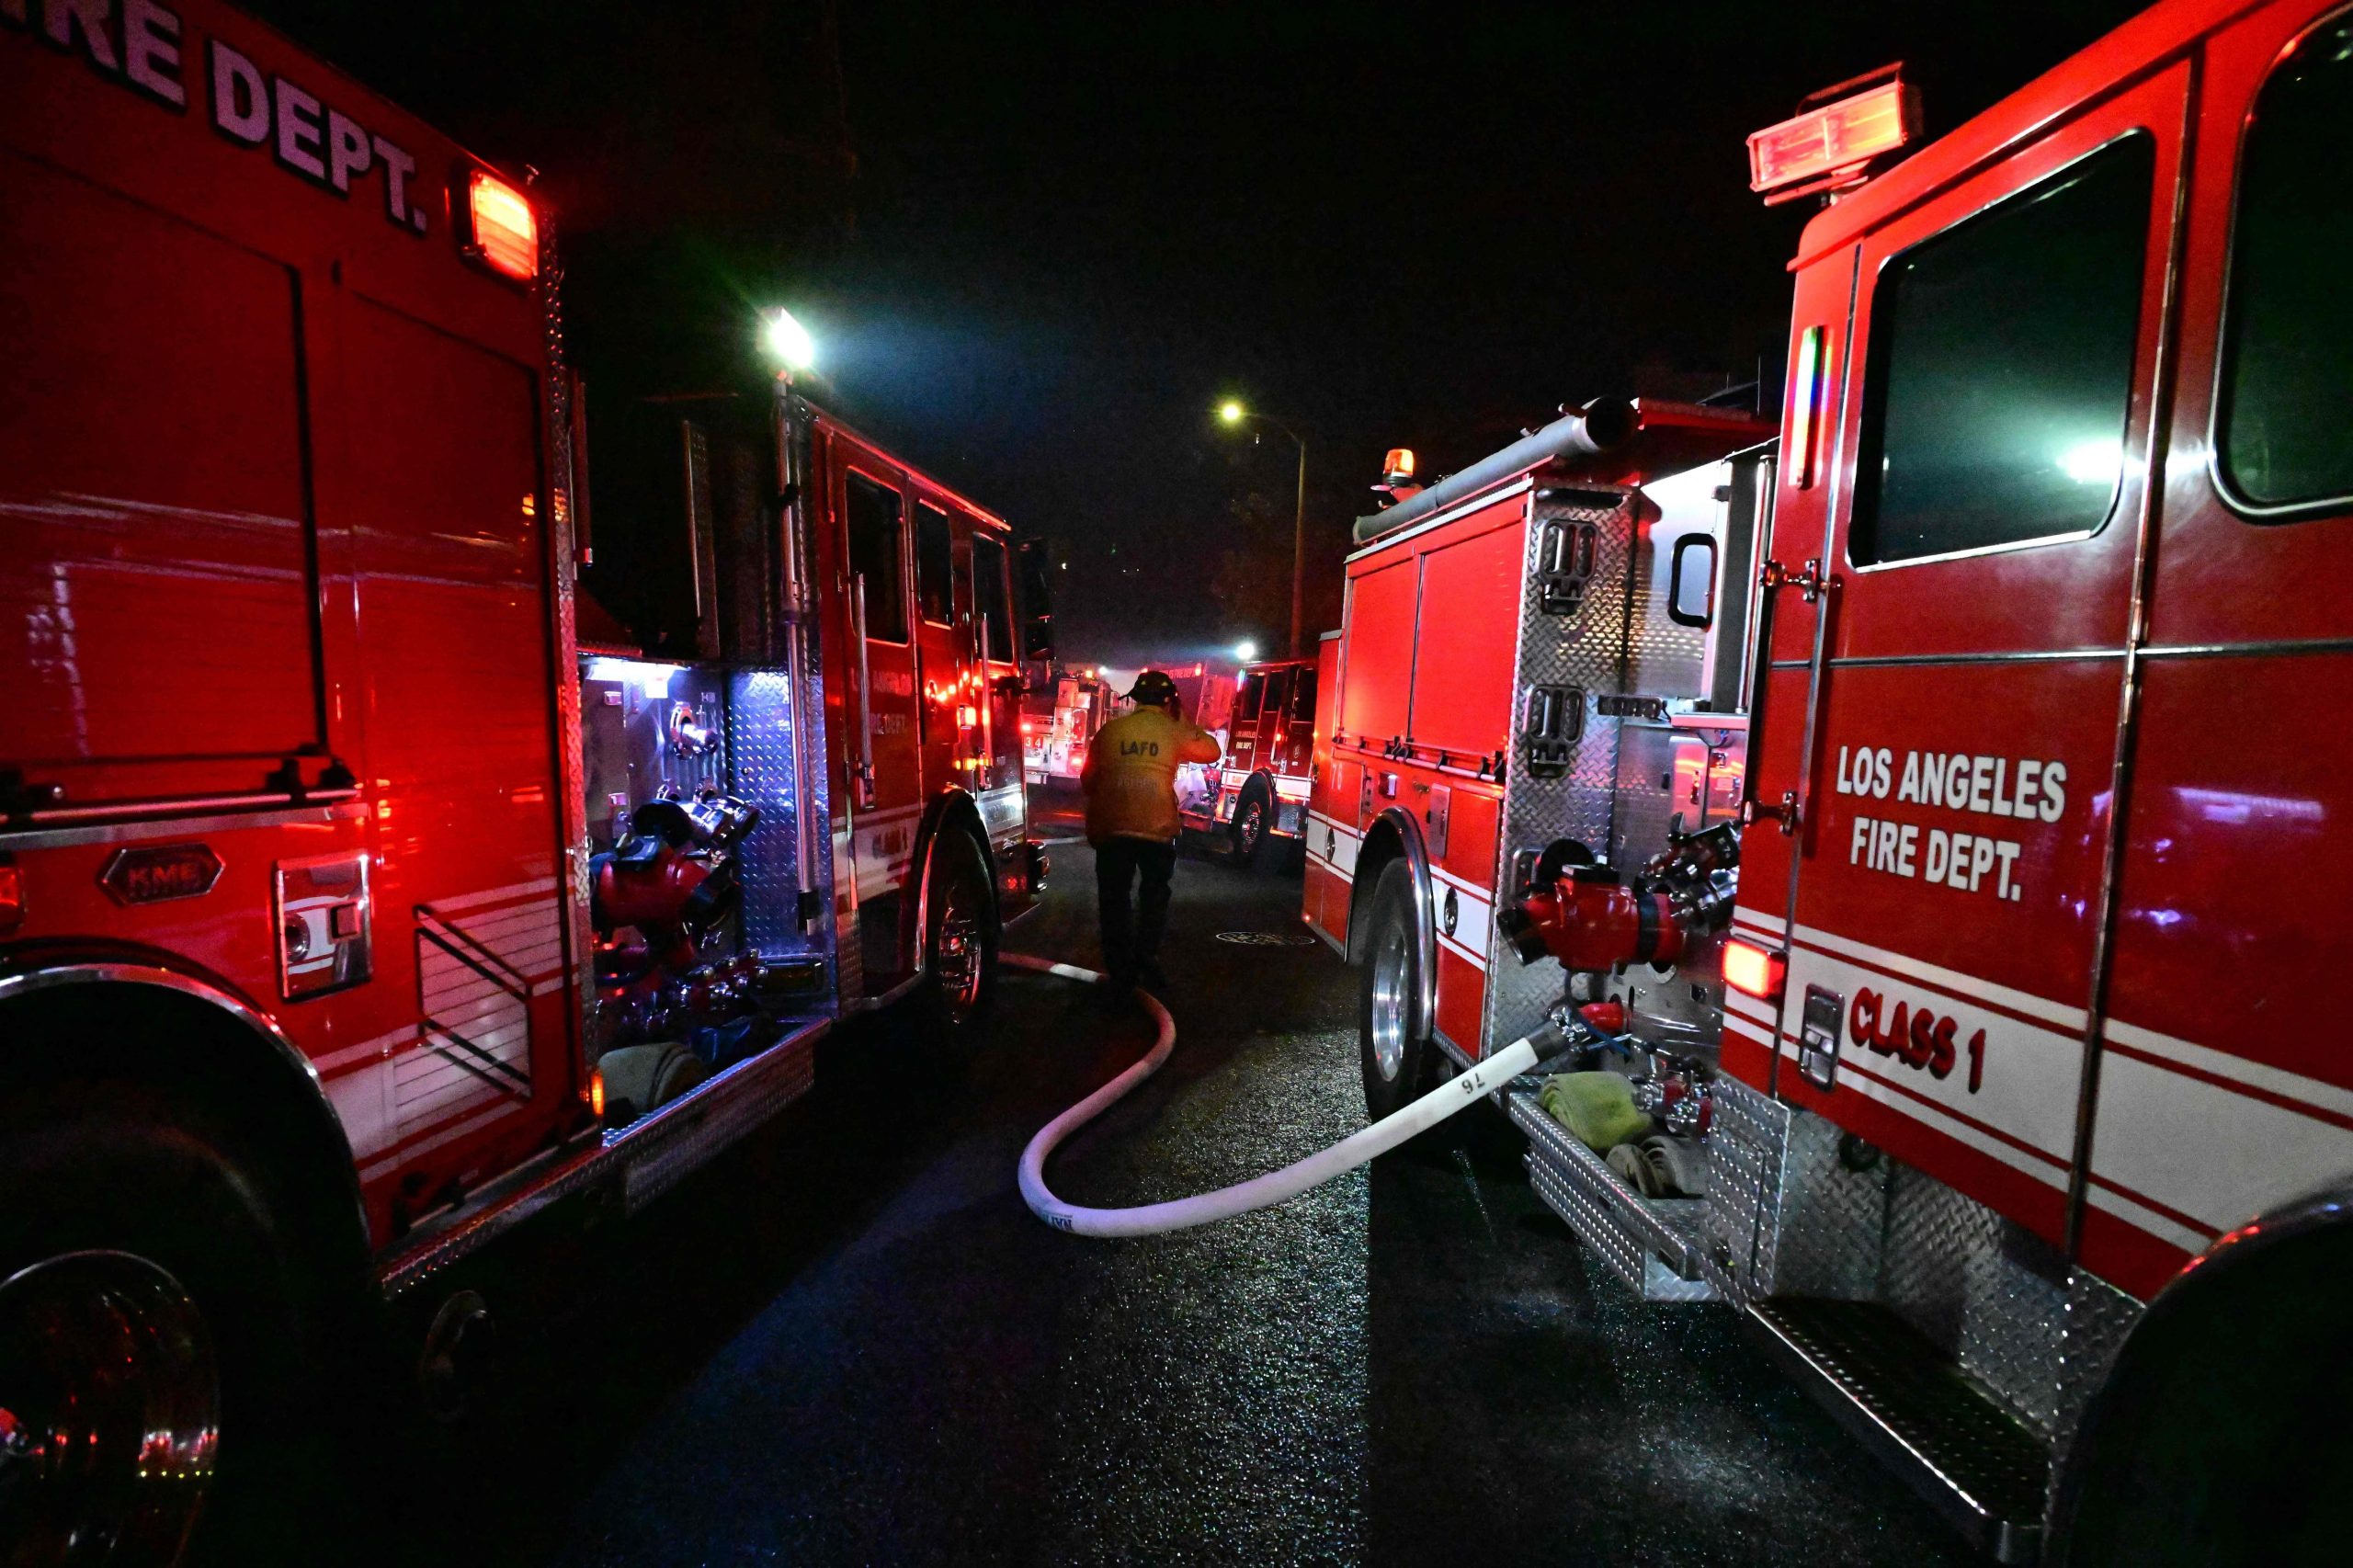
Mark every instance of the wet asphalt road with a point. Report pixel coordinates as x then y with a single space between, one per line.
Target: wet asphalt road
848 1342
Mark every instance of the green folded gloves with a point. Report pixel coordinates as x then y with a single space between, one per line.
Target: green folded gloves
1597 1106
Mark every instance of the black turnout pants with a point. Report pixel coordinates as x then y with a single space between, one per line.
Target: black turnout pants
1132 935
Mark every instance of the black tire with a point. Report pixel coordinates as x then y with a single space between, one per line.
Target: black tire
960 941
2220 1439
1253 824
1393 1043
119 1165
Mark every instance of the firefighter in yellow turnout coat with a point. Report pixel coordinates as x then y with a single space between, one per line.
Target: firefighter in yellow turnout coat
1130 784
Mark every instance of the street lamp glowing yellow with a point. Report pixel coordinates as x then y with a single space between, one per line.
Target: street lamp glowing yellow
1229 411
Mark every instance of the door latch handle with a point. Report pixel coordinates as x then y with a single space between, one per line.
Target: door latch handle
1784 815
1811 583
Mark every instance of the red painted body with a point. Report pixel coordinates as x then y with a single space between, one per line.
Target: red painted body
286 574
2133 991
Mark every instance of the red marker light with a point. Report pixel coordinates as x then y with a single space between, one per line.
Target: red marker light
1834 141
1755 972
12 897
503 233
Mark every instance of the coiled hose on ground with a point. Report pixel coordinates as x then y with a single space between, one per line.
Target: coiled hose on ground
1259 1192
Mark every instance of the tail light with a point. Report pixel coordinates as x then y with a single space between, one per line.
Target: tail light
12 897
1755 972
502 232
596 1093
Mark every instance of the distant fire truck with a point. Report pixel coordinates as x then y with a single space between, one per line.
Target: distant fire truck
364 889
1261 783
1936 810
1056 728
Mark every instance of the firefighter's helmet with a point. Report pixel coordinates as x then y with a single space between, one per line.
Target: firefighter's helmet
1152 688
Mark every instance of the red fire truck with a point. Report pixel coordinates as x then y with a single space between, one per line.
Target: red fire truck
1953 880
1262 780
363 888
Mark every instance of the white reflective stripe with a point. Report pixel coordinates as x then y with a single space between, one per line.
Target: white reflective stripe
492 895
1458 951
1474 918
2201 1150
1738 1026
1344 841
1951 979
2254 1074
1763 921
1929 1116
1749 1006
1475 889
2031 1073
1291 788
393 1163
2144 1218
363 1103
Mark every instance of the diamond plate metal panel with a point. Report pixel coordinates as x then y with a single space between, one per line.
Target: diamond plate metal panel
2098 1316
1833 1220
1747 1148
1585 649
763 741
1984 1292
686 1136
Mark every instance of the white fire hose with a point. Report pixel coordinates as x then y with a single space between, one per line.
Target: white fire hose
1259 1192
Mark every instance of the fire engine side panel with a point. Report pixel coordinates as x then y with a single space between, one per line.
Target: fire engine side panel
2224 1090
1956 817
299 509
1375 706
450 583
156 585
1319 879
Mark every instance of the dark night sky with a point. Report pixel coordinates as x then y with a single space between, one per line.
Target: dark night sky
1068 230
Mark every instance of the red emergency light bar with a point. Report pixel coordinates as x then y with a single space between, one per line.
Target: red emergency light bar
503 233
1829 147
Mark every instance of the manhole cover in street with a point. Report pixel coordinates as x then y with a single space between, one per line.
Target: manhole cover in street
1266 939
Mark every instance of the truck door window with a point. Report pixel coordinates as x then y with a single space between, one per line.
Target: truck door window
1245 700
2288 328
876 522
991 598
935 572
2001 368
1302 707
1277 692
1692 581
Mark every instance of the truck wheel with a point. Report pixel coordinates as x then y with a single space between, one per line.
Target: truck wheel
1393 1036
1253 815
160 1310
960 944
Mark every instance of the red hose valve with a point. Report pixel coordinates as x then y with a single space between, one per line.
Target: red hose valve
1592 921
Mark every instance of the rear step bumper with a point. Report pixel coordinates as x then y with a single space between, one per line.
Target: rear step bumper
1969 1458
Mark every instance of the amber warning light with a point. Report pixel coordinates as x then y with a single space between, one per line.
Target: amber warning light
1752 971
504 232
1830 144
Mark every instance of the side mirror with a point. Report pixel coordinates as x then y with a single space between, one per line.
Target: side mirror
1037 603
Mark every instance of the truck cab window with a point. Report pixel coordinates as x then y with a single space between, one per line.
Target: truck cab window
991 599
1302 707
2288 328
935 572
2001 368
1245 700
876 522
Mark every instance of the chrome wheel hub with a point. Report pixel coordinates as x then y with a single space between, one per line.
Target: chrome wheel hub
109 1411
959 953
1391 1006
